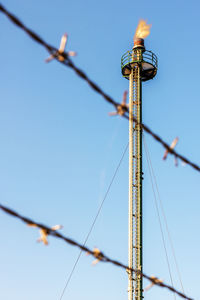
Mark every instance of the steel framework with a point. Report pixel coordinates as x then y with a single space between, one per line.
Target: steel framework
137 65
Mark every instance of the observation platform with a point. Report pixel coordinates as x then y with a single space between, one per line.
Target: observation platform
146 59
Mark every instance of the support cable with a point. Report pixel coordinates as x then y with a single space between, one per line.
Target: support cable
158 214
165 220
94 221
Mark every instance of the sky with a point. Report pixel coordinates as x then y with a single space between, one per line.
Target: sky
59 148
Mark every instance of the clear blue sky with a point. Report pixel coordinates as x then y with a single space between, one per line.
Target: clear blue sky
59 148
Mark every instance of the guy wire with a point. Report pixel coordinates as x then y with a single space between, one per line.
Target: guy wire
158 214
94 221
165 221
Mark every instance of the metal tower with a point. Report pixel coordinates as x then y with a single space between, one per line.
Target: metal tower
137 65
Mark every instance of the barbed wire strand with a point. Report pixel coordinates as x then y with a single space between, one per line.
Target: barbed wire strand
67 62
94 221
100 256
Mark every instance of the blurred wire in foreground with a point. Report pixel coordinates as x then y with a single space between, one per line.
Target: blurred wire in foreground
67 62
97 254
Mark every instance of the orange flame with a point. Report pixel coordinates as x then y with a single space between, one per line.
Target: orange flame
143 30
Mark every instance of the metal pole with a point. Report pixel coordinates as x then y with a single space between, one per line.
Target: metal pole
130 233
135 176
138 183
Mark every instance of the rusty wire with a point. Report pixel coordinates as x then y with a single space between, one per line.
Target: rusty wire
109 99
100 256
67 62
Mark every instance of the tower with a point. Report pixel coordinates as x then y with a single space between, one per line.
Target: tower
137 65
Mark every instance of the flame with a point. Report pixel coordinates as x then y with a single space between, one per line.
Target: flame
143 30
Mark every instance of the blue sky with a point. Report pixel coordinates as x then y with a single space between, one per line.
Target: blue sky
59 148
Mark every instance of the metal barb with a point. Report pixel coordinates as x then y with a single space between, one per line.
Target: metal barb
92 84
104 258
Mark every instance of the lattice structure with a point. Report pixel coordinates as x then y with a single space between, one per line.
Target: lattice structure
137 65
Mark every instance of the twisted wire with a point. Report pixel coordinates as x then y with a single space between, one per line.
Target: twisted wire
67 62
100 256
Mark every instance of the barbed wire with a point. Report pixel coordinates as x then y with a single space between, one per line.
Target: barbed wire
94 86
97 254
53 50
68 62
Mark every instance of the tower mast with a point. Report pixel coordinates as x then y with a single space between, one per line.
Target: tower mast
135 176
137 65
